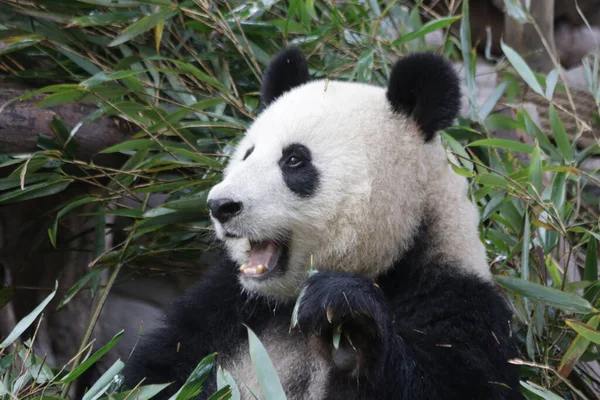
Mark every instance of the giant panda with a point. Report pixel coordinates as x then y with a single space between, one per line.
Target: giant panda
342 192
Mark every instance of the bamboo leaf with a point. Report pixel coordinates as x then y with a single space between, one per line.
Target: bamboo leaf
103 382
264 370
522 68
503 144
560 135
551 81
576 349
584 330
143 25
84 366
555 298
429 27
193 385
27 320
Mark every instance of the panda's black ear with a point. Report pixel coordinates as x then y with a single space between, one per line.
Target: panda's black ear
425 87
286 70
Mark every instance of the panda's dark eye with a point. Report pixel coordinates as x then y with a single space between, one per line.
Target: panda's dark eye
250 150
294 161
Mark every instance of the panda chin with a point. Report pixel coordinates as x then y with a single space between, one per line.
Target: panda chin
266 258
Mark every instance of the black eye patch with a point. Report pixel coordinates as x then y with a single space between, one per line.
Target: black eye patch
299 173
250 150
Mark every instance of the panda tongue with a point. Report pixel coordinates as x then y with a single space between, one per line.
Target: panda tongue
263 253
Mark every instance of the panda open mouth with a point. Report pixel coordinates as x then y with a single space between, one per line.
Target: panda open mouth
265 258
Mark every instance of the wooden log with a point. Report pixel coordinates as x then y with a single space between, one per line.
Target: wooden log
21 123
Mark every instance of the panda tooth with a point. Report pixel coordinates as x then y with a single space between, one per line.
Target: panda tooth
243 267
260 269
250 271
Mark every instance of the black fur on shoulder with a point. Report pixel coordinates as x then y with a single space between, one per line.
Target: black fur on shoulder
425 87
287 70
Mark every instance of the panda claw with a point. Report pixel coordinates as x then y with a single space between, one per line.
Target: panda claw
330 314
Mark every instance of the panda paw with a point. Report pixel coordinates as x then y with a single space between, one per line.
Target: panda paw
347 318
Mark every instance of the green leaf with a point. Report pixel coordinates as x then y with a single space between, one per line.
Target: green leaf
190 69
93 274
104 382
35 191
525 249
503 144
143 25
364 67
590 272
555 298
84 366
104 19
264 370
584 330
193 385
522 68
491 101
535 170
551 80
540 391
63 211
429 27
142 393
57 99
224 379
28 320
560 135
578 346
12 40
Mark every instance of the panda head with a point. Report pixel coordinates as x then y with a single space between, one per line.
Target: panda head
342 175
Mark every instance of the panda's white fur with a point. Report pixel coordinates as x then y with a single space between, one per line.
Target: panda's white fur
379 179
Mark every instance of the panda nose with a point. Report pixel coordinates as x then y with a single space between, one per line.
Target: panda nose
224 209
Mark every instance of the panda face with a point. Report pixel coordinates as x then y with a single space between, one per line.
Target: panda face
331 173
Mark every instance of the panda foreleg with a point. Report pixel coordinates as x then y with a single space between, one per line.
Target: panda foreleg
425 342
353 308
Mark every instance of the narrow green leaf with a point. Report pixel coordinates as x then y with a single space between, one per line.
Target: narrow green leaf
224 379
12 40
190 69
503 144
535 170
491 101
35 191
540 391
584 330
576 349
525 249
429 27
522 68
143 25
28 320
551 81
78 286
104 381
84 366
590 272
104 19
57 99
560 135
565 301
63 211
193 385
264 370
142 393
